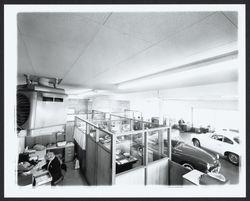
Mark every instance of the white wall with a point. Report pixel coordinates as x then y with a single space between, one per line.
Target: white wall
148 107
218 114
215 104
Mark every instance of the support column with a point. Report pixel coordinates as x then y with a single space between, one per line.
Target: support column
192 116
160 106
113 159
145 155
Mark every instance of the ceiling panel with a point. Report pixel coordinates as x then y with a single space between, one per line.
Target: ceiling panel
83 51
62 29
49 59
207 36
147 62
107 50
153 26
233 17
97 17
23 64
213 32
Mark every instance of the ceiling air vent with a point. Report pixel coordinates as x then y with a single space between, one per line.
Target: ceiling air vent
23 109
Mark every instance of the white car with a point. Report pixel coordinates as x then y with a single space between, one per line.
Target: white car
225 143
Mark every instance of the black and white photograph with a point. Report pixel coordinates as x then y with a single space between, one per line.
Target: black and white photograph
124 101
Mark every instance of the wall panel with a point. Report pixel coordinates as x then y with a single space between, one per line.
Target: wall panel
157 172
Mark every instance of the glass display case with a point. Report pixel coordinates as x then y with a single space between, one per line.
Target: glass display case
129 152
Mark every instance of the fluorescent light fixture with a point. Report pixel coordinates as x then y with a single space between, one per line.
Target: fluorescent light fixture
230 97
168 78
76 91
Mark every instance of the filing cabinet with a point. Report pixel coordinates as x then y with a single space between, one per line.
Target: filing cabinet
69 152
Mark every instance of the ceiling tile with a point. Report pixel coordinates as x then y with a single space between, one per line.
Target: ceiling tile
97 17
213 32
153 26
23 64
207 36
49 59
107 50
232 16
121 49
62 29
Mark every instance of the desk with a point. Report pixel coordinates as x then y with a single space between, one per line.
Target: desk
192 177
124 163
42 177
67 151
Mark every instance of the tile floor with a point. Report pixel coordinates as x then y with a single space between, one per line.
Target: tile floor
73 176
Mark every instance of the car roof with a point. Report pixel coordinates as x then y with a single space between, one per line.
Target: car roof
227 133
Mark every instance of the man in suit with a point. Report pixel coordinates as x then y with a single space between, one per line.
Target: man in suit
54 167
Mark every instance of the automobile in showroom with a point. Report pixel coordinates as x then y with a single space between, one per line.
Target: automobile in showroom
192 157
225 143
188 156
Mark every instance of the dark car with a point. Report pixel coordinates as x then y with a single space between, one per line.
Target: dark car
193 157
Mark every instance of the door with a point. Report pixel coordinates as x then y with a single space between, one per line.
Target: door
216 143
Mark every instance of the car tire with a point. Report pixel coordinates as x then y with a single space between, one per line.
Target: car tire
196 143
188 166
233 158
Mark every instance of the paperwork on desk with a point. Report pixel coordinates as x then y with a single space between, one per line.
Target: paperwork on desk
61 144
123 161
38 155
41 177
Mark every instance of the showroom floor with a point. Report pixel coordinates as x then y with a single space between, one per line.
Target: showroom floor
230 171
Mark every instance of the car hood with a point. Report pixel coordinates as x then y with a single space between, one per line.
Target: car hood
196 153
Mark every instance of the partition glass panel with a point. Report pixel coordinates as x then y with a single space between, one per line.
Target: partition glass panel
165 143
92 131
129 152
153 146
157 144
81 125
97 115
105 139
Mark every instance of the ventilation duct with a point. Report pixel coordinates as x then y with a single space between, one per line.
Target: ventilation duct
40 107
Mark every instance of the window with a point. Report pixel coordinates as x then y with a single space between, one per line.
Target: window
227 140
50 99
236 139
58 99
217 137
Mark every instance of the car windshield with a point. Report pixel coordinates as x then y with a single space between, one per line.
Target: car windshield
175 143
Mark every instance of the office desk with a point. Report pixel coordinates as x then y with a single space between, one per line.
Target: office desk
124 163
34 177
192 178
67 151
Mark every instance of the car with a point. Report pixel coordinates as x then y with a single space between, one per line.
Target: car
189 156
225 143
193 157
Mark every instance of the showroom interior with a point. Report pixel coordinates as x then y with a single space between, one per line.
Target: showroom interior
128 98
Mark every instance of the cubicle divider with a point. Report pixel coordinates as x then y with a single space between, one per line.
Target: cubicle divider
131 177
150 170
176 171
123 157
133 114
98 156
126 121
157 172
